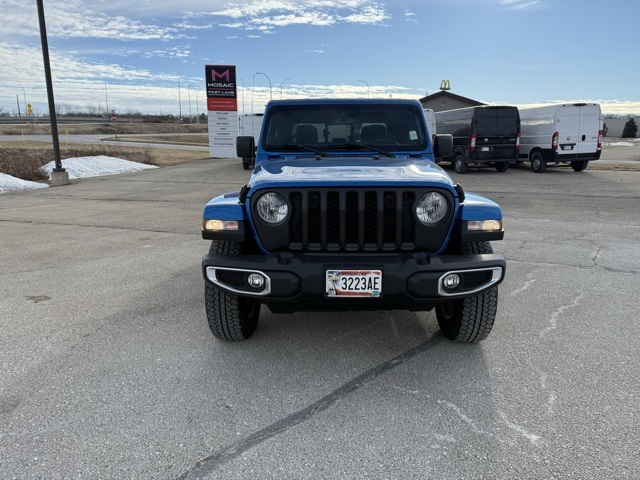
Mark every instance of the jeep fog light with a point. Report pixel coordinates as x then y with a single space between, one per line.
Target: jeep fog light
219 225
485 225
431 208
255 281
272 207
451 281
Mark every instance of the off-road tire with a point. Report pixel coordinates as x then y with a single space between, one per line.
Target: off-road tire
459 165
579 165
469 319
502 166
538 165
230 318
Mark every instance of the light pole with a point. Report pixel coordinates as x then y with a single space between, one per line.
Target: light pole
106 99
270 89
24 96
59 174
189 95
281 86
179 104
366 85
197 113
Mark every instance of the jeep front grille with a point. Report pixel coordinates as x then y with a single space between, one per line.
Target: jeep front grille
353 220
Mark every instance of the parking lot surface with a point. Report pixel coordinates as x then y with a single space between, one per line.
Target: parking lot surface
109 369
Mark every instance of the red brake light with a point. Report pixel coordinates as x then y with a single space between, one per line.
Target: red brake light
554 140
518 140
600 138
473 142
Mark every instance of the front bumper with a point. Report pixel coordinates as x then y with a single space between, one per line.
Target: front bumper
297 282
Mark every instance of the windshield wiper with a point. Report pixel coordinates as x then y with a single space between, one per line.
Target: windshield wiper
355 146
291 146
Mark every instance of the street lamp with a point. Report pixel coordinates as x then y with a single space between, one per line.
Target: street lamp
281 86
179 104
106 99
366 85
24 95
197 113
189 95
270 89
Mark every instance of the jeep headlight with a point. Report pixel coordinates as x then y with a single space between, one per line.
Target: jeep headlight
272 207
431 208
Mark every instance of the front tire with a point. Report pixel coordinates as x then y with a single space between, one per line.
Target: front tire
469 319
230 318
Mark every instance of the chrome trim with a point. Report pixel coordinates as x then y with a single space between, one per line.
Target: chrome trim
495 278
213 278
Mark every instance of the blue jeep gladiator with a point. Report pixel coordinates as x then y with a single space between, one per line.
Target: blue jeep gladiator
346 210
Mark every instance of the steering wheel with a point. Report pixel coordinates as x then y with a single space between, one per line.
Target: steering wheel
385 141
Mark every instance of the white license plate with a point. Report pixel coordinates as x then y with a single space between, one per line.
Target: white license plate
354 283
484 149
567 147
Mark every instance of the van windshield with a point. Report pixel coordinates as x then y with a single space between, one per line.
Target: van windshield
347 127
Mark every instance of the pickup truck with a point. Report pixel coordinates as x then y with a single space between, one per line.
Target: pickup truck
346 210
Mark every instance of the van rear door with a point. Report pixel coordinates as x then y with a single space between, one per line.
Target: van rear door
590 126
496 130
568 129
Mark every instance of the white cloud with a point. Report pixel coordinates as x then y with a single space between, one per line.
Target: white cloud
269 14
75 19
520 4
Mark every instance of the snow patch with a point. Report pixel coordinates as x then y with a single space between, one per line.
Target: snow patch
618 144
83 167
13 184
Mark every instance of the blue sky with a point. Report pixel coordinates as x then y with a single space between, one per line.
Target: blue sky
149 55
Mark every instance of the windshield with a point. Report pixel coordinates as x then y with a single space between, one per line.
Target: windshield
346 127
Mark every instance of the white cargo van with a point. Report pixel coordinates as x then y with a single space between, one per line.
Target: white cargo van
561 134
430 118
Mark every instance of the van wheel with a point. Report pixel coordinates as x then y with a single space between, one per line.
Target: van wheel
458 164
469 319
502 166
245 164
230 317
538 164
579 165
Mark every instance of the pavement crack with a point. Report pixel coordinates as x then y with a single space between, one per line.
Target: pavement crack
209 464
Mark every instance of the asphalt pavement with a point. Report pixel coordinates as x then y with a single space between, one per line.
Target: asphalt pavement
108 369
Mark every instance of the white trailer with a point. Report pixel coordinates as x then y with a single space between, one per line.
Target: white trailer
250 125
560 134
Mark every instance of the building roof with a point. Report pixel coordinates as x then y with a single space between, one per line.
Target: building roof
442 93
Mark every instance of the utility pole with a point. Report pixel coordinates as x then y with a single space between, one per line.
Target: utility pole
18 101
59 176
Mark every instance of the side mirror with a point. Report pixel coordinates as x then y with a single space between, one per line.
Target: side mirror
245 146
442 145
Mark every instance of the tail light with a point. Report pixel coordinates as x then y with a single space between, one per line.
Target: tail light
600 138
518 140
473 142
554 140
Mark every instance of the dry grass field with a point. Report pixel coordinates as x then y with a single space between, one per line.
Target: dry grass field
105 128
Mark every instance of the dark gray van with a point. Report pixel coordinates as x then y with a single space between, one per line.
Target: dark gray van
488 135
